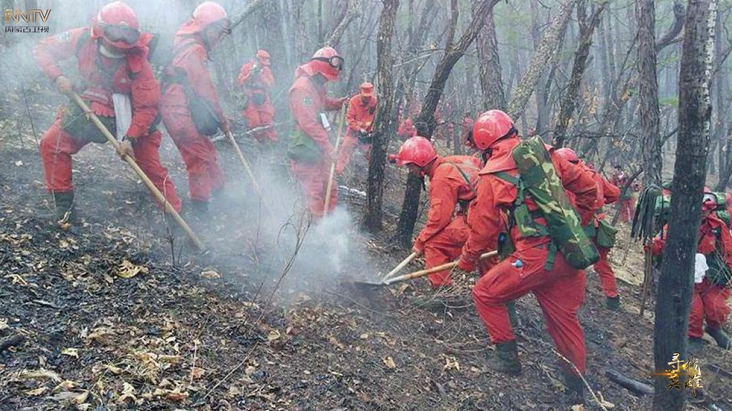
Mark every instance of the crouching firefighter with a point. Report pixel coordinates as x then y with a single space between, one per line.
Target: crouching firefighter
712 286
599 229
450 193
528 183
117 83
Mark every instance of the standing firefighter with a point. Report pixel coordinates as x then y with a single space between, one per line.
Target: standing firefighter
712 285
113 70
190 103
255 78
310 150
451 191
361 112
406 129
528 183
600 230
627 202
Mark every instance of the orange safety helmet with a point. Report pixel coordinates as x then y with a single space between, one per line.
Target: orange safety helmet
117 24
367 90
416 150
208 13
212 21
327 62
568 154
490 127
263 57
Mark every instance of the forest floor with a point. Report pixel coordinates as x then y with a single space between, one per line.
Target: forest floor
107 317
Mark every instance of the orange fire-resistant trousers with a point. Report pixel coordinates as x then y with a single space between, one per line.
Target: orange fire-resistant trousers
709 302
313 179
198 152
57 147
445 247
606 274
560 293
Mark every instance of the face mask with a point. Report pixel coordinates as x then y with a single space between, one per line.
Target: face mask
109 53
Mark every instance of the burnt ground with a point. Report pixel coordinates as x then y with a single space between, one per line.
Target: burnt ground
207 332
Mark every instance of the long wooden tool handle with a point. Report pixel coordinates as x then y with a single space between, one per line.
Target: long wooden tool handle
341 121
250 173
422 273
154 190
400 266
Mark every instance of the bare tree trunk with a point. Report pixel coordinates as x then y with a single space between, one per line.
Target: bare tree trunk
490 65
384 126
677 279
352 11
648 93
675 29
542 108
578 69
426 124
540 60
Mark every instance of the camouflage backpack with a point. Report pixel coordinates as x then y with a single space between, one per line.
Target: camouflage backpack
539 179
721 207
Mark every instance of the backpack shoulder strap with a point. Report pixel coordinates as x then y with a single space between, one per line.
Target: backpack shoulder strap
83 40
508 177
465 176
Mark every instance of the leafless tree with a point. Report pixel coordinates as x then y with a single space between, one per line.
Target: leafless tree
672 307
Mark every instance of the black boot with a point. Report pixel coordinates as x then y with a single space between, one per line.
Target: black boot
613 303
505 358
719 336
64 211
575 388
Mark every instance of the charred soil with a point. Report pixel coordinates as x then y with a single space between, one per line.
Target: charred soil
107 317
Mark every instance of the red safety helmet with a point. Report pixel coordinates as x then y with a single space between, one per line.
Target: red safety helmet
208 13
263 57
367 90
568 154
211 19
117 24
490 127
416 150
327 62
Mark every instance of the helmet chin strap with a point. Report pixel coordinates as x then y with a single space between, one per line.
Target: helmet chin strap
109 53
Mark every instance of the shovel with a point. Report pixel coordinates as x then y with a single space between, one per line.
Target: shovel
335 160
250 173
154 190
416 274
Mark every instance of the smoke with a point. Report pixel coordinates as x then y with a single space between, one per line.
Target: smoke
322 252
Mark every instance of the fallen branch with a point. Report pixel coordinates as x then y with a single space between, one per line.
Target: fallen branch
631 384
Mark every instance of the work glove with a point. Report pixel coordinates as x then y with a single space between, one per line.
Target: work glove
418 248
466 265
64 85
126 149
